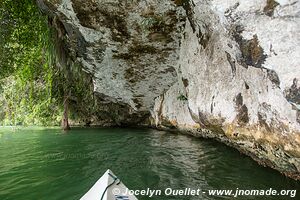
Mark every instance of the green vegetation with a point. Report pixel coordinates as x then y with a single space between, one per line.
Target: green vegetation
35 89
181 97
26 60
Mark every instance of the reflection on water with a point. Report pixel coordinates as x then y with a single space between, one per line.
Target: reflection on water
48 164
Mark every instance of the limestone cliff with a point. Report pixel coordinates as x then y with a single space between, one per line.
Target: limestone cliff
227 70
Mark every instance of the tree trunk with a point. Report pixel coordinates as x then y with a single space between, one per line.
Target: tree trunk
65 121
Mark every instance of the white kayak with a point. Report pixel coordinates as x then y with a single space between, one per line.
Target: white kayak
108 187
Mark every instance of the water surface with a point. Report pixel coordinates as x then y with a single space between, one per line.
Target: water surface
49 164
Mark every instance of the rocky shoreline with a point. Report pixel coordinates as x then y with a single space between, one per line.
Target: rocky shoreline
226 70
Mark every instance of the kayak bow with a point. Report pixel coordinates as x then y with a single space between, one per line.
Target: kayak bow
108 187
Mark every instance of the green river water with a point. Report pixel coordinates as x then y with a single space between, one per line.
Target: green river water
49 164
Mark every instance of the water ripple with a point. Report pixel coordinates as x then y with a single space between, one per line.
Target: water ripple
47 164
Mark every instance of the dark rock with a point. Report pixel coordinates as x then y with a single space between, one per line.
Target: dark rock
185 82
231 62
293 93
273 76
270 7
252 53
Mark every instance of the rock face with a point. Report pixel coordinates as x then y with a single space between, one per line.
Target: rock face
130 48
227 70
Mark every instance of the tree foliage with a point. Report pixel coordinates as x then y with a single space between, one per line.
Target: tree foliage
27 65
23 35
34 85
